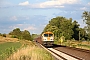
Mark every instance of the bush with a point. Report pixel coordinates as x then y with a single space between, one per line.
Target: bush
83 39
0 34
4 35
13 36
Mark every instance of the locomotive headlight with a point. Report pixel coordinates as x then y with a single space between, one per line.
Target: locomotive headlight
44 39
51 39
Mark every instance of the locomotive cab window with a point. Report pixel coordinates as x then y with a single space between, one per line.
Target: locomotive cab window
50 35
45 35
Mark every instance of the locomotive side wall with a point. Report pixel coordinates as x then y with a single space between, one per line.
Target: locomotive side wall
39 40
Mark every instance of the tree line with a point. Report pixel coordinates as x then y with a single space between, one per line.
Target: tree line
22 35
16 33
68 28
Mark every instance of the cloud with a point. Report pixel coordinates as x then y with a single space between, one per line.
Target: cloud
83 8
89 3
23 26
15 26
24 3
13 18
57 3
50 4
5 3
30 28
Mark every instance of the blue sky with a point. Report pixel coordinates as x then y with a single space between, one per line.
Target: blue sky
34 15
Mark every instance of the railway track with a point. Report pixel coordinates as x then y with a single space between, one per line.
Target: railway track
78 49
67 53
64 56
81 54
60 55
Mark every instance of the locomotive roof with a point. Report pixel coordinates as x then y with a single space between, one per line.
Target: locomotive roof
48 33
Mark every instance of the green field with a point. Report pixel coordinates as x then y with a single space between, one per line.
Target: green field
8 48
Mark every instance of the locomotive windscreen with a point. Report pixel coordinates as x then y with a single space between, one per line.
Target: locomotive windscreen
48 35
45 35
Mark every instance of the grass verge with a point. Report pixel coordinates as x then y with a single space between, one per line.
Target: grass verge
77 44
31 53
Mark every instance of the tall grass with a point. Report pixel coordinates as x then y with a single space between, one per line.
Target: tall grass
31 53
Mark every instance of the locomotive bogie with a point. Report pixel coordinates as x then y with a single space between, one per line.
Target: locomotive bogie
48 43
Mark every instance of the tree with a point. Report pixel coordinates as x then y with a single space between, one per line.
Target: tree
61 26
86 19
4 35
75 29
26 35
83 34
34 36
16 32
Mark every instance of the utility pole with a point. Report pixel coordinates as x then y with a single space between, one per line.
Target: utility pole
79 35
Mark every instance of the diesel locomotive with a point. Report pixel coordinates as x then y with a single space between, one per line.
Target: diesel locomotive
46 39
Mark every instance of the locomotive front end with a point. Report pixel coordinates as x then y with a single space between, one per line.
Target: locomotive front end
48 38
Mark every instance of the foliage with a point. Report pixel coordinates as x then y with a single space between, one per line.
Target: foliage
88 41
83 34
14 36
16 33
34 36
86 19
4 35
61 40
75 30
62 26
0 34
26 35
83 39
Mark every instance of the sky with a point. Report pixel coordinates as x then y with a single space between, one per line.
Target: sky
34 15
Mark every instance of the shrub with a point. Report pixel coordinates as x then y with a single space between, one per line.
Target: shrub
13 36
4 35
0 34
